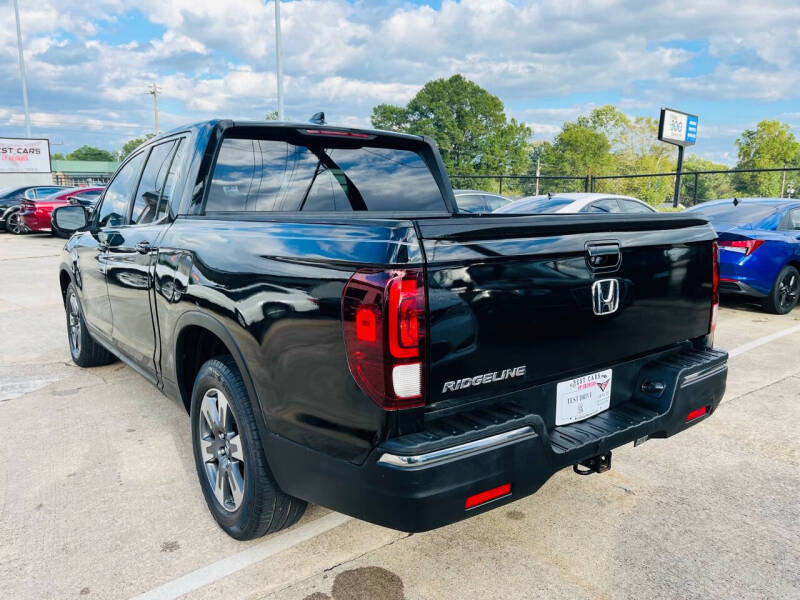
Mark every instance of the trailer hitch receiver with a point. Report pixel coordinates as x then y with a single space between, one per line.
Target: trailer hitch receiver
597 464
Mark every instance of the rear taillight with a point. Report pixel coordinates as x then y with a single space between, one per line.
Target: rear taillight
383 318
746 247
714 288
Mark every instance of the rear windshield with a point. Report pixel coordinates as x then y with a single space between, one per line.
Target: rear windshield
742 214
536 205
322 174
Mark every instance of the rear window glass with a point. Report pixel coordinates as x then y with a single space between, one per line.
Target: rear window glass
536 205
321 176
735 215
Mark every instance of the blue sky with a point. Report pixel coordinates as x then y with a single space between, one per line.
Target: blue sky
89 64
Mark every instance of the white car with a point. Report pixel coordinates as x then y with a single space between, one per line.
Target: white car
478 202
579 202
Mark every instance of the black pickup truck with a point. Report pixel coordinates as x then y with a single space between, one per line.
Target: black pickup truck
340 334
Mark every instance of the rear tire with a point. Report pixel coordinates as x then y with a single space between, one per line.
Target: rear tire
85 351
14 223
236 480
783 296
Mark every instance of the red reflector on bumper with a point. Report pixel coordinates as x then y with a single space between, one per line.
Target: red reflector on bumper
696 414
483 497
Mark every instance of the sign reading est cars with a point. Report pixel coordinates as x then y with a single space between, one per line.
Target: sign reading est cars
676 127
23 155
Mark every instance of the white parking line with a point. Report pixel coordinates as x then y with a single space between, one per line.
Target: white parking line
236 562
241 560
762 340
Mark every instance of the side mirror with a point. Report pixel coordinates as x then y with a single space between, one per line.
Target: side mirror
66 220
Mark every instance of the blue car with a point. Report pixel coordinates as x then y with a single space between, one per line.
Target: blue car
759 243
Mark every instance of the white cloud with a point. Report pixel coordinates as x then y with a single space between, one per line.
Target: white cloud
216 60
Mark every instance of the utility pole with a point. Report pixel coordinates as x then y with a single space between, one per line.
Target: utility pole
22 73
537 175
154 91
279 58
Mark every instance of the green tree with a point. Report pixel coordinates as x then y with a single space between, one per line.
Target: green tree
133 144
709 187
577 149
271 116
469 124
769 145
90 153
57 156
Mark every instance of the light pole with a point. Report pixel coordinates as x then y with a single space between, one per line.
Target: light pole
154 90
22 73
279 58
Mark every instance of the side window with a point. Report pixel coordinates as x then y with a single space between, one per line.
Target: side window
233 176
629 206
46 191
30 194
173 175
113 211
148 194
606 205
792 220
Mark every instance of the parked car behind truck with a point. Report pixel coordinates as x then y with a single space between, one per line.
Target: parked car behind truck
35 214
759 241
341 334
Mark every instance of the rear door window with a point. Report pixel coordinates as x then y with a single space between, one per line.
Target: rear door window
320 175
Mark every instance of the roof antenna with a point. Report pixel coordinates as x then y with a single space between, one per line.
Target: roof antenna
735 201
318 118
549 195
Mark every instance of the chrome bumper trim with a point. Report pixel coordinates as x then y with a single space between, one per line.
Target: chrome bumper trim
453 452
693 378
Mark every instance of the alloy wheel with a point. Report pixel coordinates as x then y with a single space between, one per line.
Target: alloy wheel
788 291
221 449
14 224
74 321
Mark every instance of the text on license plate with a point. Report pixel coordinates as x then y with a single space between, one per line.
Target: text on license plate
582 397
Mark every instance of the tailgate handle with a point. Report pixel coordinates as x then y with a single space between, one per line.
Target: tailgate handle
603 256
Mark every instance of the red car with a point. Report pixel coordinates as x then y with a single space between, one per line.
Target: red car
35 214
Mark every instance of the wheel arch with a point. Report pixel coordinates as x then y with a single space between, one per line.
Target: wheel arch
64 279
210 338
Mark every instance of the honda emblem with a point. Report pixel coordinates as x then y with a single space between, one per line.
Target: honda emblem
605 296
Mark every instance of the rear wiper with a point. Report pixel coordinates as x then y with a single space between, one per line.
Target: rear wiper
348 187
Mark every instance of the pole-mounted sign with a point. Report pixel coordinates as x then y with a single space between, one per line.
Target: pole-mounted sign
678 128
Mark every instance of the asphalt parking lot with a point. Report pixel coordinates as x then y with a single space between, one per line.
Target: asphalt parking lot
99 498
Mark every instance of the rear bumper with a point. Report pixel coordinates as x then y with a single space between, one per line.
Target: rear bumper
734 286
421 481
34 221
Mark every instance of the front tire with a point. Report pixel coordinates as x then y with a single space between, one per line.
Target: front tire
236 480
85 351
785 292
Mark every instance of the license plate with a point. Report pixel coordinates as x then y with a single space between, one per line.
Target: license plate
582 397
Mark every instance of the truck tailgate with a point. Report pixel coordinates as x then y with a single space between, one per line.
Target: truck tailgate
511 299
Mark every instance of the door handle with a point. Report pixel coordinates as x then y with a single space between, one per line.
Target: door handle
143 247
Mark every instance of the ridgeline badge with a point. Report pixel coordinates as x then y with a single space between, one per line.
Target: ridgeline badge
460 384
